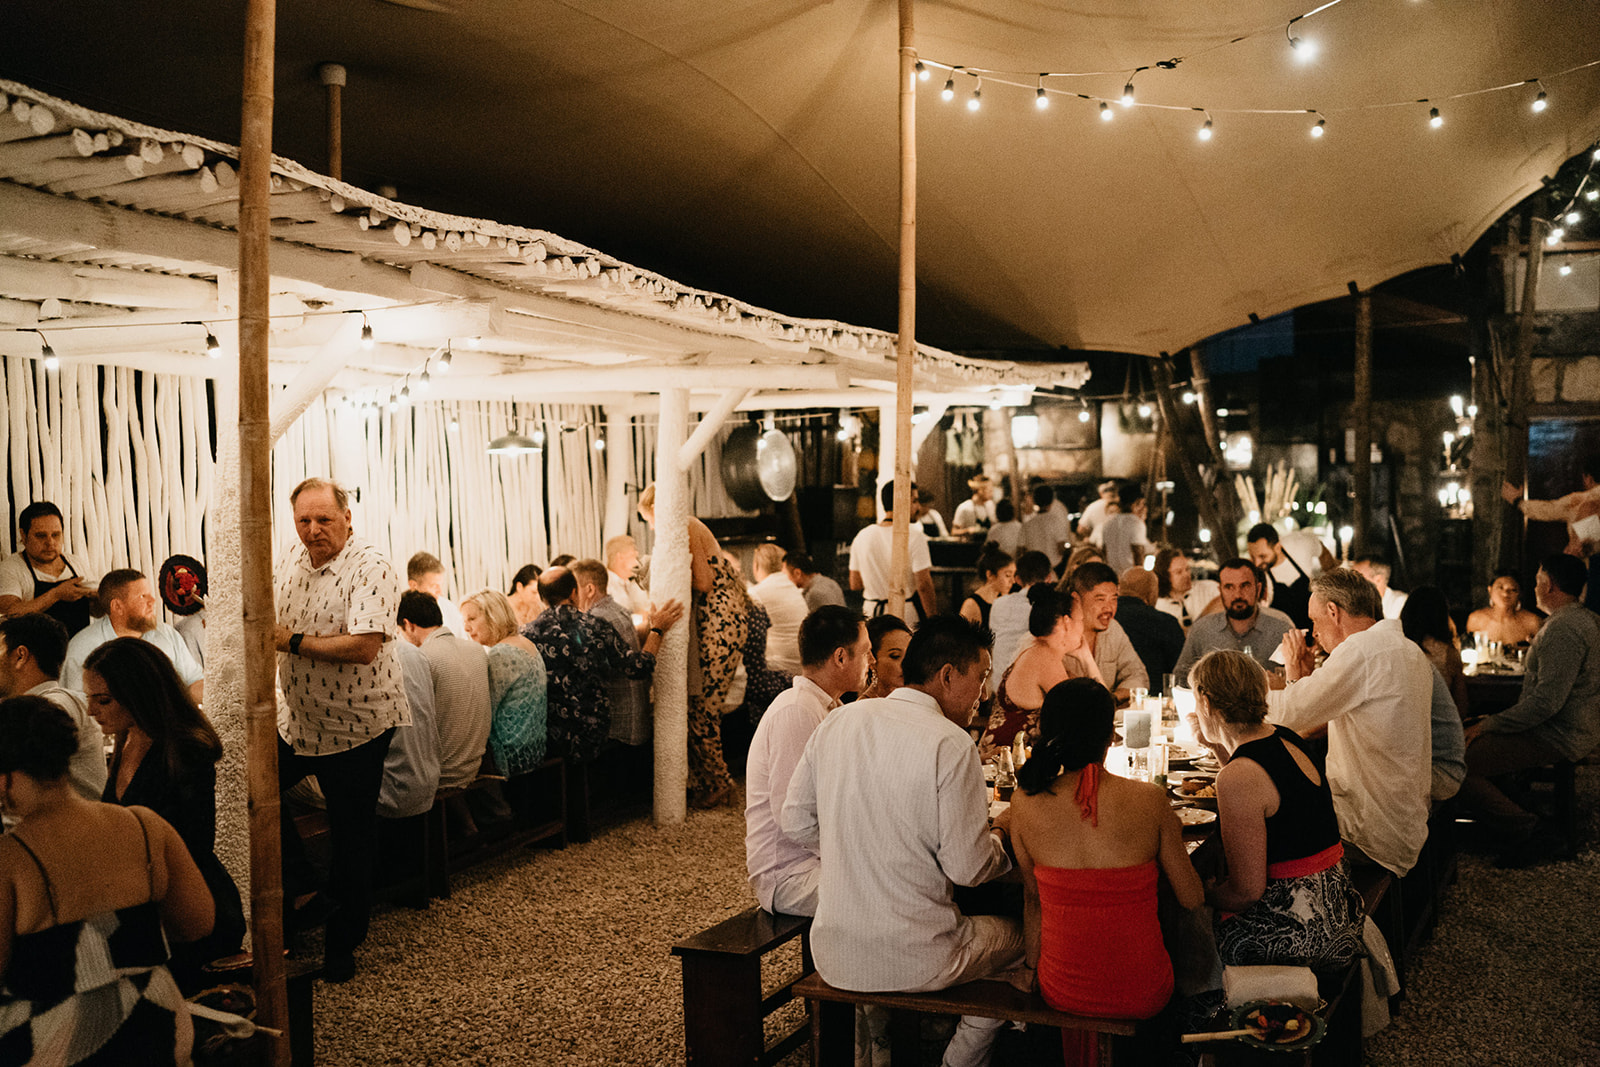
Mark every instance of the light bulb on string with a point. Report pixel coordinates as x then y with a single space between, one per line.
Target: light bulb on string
1595 155
975 100
213 346
444 360
1541 101
405 392
1084 416
1573 218
366 333
425 382
1434 119
949 90
1144 411
1566 269
1320 128
1127 93
599 444
1592 195
455 424
1105 111
48 354
1555 237
1204 132
922 71
538 438
1188 397
394 405
1040 99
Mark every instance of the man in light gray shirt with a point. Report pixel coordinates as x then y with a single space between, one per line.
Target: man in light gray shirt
1094 592
1242 625
460 672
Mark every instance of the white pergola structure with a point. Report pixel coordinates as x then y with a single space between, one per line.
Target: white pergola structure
118 250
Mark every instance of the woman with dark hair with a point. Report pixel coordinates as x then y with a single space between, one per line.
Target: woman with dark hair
164 758
1090 846
1038 668
1427 623
996 573
524 595
89 891
888 636
1287 897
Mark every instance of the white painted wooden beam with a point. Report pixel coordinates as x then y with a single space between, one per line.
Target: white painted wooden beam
33 279
671 579
708 426
331 358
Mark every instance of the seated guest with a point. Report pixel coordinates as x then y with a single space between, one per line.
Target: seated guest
1287 898
1006 533
581 653
411 767
819 589
1090 846
1377 571
41 577
518 728
128 607
460 677
426 574
833 647
1052 658
1505 619
786 609
996 573
1094 604
630 697
165 759
622 566
1008 617
888 637
1178 593
32 647
1556 718
524 595
1157 637
89 891
890 794
1241 626
1373 694
1425 620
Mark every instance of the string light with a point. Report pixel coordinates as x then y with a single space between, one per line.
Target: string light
1144 411
1566 269
455 424
949 90
1304 49
1540 102
974 102
366 332
1205 131
1433 118
1592 195
213 346
48 354
1572 218
599 444
1105 111
405 390
1040 100
1188 397
538 438
444 360
1320 128
1127 92
394 405
922 71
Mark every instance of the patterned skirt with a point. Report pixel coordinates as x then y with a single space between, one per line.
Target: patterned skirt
1313 920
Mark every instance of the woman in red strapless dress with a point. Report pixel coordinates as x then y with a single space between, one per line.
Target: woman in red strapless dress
1090 846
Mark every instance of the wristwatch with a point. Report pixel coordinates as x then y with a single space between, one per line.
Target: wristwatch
294 643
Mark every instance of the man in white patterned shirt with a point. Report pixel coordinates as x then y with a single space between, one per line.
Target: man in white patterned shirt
343 697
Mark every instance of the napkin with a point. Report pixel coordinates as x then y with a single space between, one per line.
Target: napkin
1296 985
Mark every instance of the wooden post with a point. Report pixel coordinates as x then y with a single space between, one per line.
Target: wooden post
1515 438
255 521
1361 415
670 579
334 77
906 347
1204 500
1223 496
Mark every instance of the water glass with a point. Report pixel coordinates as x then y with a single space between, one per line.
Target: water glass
1136 727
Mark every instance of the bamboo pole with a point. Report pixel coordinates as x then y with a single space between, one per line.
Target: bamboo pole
1205 501
333 76
1516 424
906 343
1217 483
1361 414
255 521
671 578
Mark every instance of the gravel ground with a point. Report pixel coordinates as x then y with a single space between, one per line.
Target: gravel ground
561 957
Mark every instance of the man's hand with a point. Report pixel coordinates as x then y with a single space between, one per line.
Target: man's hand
1298 659
280 637
1473 730
663 617
1510 493
71 589
1123 697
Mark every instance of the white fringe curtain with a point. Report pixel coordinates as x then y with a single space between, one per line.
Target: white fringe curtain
129 458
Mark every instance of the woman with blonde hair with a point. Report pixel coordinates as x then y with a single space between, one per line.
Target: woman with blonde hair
1287 897
517 683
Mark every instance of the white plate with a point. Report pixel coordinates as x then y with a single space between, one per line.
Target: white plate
1195 816
1183 753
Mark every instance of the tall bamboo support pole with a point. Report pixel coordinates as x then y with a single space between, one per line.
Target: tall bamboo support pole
334 77
1223 495
255 521
1515 439
900 555
671 579
1361 415
1205 501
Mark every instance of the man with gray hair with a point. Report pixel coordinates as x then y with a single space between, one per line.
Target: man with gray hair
1374 695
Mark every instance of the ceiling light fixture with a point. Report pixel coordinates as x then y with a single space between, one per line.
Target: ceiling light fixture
1541 101
1105 111
1434 119
366 332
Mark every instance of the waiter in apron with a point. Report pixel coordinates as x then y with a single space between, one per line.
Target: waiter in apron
41 577
1290 596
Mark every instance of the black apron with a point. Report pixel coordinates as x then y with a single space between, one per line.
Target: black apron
1294 599
73 614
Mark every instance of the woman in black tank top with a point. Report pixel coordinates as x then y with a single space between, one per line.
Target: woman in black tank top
1287 898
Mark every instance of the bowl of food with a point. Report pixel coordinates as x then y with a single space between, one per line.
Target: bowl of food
1197 789
1278 1025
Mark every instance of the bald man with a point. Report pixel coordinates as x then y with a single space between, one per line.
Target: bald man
1157 637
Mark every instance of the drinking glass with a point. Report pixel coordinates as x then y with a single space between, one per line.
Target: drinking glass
1136 727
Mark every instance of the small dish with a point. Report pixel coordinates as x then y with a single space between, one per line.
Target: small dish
1191 816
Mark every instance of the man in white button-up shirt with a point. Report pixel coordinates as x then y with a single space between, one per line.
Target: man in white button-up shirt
1374 694
891 794
834 649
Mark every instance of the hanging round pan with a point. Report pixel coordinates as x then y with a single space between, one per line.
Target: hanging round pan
757 467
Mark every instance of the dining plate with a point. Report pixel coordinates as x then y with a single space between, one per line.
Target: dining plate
1207 802
1192 816
1277 1012
1179 754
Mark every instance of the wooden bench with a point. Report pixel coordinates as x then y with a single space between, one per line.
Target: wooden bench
833 1017
724 1010
533 822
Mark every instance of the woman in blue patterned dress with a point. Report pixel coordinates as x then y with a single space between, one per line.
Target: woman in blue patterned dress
517 690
